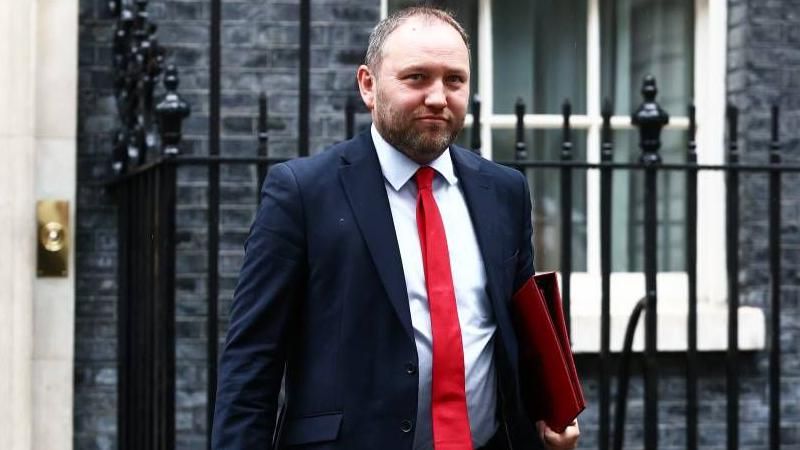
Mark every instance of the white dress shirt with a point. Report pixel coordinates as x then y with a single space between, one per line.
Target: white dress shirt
475 313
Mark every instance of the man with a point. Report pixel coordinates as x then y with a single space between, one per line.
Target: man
378 276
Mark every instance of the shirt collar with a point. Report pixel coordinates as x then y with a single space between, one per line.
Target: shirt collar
398 168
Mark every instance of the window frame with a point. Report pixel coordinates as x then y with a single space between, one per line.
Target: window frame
710 53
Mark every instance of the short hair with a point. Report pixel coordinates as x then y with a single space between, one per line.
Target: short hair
386 26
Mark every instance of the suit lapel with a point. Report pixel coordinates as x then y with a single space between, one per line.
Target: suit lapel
481 197
482 202
362 179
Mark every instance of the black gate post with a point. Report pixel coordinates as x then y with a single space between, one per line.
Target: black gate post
144 187
606 205
775 284
350 117
650 119
305 79
566 212
170 113
732 263
691 272
263 142
212 283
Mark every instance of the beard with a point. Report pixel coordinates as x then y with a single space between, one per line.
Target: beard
421 142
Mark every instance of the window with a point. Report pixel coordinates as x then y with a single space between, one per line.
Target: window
546 51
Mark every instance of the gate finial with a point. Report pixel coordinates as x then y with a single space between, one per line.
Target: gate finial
650 119
171 111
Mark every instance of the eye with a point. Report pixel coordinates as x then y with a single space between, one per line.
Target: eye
415 77
455 79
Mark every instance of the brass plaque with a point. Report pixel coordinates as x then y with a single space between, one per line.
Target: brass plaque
52 249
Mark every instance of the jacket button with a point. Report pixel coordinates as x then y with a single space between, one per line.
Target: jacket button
411 368
405 426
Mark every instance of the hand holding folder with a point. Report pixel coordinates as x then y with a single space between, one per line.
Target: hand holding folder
549 382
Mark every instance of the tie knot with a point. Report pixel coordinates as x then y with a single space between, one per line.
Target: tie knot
424 178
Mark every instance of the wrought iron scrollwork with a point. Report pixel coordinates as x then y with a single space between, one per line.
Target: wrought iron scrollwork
138 63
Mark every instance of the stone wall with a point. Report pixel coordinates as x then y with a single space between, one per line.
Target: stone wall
38 116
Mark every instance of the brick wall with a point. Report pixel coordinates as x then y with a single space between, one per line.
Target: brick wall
96 241
764 69
260 52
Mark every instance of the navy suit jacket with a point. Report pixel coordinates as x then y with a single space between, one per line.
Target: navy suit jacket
322 296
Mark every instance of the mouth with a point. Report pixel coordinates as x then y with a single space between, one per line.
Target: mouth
432 119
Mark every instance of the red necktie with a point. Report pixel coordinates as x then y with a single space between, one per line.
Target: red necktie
448 397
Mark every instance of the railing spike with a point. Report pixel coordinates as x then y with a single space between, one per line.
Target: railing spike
475 142
650 119
520 149
566 127
170 112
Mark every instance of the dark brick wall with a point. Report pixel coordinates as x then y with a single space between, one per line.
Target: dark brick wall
260 52
672 405
96 285
763 69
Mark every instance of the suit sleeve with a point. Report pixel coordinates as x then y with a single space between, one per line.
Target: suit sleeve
527 436
525 267
270 283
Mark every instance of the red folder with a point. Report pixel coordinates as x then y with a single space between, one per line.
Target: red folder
549 382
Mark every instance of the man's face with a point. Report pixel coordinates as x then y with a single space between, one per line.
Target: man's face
419 95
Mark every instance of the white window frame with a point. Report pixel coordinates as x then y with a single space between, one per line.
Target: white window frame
626 287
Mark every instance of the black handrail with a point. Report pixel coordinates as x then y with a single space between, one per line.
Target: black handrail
623 375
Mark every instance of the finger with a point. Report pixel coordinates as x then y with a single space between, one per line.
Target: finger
551 437
540 427
572 428
566 439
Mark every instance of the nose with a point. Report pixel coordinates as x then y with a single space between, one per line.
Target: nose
436 96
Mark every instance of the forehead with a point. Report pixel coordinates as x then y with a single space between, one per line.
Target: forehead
421 40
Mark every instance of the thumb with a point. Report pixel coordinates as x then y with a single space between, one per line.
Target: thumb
540 428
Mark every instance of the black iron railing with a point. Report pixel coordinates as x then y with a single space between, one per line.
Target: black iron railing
146 161
146 196
145 192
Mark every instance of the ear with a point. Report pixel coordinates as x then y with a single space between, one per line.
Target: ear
366 85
